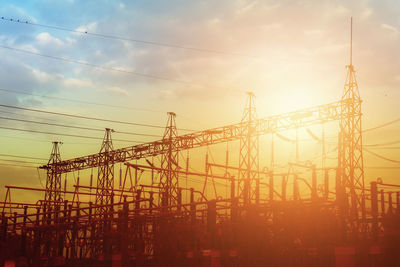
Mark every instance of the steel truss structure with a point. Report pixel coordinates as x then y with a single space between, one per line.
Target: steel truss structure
163 223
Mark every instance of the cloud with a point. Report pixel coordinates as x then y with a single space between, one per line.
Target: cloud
390 28
27 47
118 90
90 27
73 83
45 38
41 76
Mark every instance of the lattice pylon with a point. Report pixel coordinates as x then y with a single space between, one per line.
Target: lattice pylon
105 175
104 194
169 163
249 154
351 163
53 198
53 180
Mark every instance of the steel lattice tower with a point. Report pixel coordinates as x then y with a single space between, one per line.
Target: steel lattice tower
169 163
52 196
105 175
350 150
104 194
53 181
248 158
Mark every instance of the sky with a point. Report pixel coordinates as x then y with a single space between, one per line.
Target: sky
195 58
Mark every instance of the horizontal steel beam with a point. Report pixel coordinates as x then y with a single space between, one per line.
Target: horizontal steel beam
302 118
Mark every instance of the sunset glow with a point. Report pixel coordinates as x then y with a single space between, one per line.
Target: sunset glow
255 89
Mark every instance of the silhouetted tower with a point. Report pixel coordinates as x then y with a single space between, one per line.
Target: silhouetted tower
350 156
105 175
104 196
53 182
52 198
248 159
169 163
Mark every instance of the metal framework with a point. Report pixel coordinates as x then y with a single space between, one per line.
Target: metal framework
104 196
105 176
248 155
350 158
264 219
169 163
306 117
53 180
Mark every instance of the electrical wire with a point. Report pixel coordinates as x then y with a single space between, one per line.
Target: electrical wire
21 161
40 178
382 167
383 144
107 36
69 135
385 147
80 117
314 136
78 101
150 76
48 141
25 115
75 127
23 157
12 113
25 139
16 165
381 157
86 117
382 125
285 138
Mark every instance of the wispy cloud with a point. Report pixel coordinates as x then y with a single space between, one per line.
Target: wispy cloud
390 28
117 90
45 38
74 83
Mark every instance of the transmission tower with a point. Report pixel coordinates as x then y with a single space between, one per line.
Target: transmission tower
105 175
350 151
53 181
104 194
169 163
248 158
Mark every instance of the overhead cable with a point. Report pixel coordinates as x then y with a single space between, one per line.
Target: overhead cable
122 38
68 135
74 127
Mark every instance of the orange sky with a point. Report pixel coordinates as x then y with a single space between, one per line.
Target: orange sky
292 55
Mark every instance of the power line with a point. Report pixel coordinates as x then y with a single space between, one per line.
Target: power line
382 167
21 161
383 144
24 115
78 101
47 141
86 117
107 36
23 157
25 139
96 129
16 165
74 127
382 125
381 157
107 68
80 117
69 135
385 147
